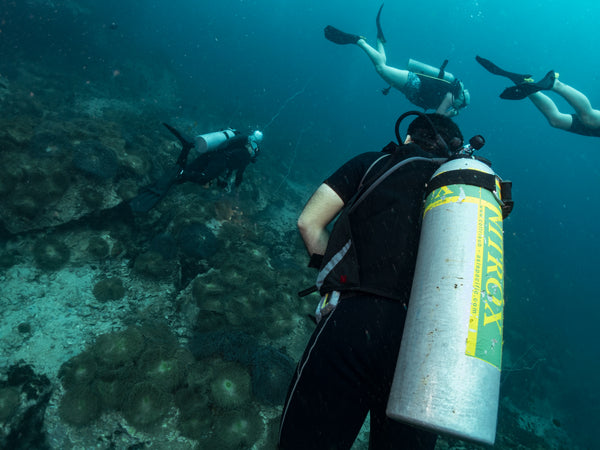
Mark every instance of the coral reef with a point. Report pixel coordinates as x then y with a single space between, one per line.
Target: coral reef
195 420
10 399
98 247
80 406
50 253
153 264
24 396
271 369
95 159
165 245
118 348
135 371
163 367
272 372
7 259
79 370
230 386
24 328
112 392
216 407
235 429
146 404
108 289
198 241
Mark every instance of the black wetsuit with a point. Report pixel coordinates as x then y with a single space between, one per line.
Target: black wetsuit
231 155
433 90
348 365
578 127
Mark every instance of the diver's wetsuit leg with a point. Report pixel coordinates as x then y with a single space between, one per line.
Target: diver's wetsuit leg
350 360
205 168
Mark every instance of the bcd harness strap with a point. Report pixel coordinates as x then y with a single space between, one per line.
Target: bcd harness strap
361 194
479 179
470 177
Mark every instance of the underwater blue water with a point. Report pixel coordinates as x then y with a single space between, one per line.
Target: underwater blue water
265 63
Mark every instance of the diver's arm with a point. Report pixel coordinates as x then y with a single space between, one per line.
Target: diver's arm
446 108
320 210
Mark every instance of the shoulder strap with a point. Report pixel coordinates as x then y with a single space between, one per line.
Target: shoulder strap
361 195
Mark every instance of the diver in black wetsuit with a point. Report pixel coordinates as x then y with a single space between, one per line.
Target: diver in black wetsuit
585 121
232 155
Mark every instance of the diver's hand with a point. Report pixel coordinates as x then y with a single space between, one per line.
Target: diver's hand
451 112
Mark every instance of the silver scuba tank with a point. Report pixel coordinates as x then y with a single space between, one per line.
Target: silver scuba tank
425 69
209 141
447 377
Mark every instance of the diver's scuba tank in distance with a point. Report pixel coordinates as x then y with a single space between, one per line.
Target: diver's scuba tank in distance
210 141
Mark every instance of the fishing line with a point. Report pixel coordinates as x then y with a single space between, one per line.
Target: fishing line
286 103
291 164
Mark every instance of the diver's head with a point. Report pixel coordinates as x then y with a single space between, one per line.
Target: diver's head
253 140
435 133
462 99
256 137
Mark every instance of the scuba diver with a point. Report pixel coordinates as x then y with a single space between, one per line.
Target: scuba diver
366 269
423 85
224 152
585 121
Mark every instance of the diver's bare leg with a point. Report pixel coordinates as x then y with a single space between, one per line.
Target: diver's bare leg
394 77
580 103
548 108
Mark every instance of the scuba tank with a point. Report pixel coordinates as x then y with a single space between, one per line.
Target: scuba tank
430 71
209 141
447 377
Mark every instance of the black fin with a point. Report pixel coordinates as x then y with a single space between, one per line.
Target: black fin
520 91
380 36
339 37
185 144
150 195
386 91
516 78
547 83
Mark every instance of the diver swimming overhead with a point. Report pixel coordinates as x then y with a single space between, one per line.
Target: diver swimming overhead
585 121
423 85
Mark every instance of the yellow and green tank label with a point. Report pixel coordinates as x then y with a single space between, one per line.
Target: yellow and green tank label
484 339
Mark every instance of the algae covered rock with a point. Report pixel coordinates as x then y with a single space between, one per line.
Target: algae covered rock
50 253
95 159
108 289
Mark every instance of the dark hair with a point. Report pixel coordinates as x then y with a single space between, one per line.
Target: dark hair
424 135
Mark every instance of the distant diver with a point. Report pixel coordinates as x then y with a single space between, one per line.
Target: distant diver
423 85
224 153
585 121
